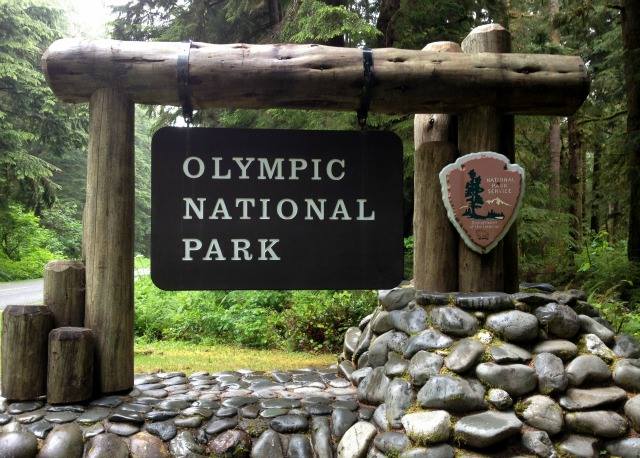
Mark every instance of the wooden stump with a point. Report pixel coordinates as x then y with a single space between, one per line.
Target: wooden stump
482 129
25 329
70 370
435 257
108 238
64 292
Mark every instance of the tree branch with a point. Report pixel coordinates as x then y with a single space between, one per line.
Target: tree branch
604 118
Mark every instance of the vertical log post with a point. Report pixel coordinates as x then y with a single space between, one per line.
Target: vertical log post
70 368
108 238
64 292
481 129
25 330
435 257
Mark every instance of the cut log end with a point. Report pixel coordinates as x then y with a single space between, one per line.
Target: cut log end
70 365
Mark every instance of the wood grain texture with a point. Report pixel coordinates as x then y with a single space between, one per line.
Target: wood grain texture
25 330
318 77
70 366
108 238
64 283
481 129
435 258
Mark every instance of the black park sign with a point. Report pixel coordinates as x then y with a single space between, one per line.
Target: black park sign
276 209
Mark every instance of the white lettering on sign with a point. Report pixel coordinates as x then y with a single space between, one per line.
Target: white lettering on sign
258 208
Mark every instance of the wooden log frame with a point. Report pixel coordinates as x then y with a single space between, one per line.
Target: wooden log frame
318 77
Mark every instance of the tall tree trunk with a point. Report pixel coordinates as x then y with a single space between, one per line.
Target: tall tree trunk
388 9
613 220
595 188
274 12
631 42
575 179
338 40
555 141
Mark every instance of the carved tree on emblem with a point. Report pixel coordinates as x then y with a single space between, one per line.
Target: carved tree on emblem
473 194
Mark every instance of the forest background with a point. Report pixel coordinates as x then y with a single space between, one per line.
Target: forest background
574 228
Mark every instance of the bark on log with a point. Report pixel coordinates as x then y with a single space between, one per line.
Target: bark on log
25 330
108 238
481 129
64 292
70 370
317 77
435 258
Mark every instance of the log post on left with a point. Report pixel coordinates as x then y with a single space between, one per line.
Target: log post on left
108 238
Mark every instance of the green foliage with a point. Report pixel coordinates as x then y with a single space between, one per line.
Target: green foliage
297 320
408 257
62 220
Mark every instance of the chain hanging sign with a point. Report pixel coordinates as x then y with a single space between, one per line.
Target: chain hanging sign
482 193
276 209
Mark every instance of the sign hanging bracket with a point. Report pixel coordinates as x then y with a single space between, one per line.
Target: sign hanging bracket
184 89
367 87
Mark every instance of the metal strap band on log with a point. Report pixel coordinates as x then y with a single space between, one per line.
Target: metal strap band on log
184 89
318 77
365 100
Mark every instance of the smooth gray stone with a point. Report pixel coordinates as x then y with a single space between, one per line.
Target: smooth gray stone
356 441
366 320
107 445
93 430
452 394
583 399
381 322
290 424
122 429
391 442
625 448
380 418
514 325
216 426
351 338
626 346
30 417
226 412
434 451
165 430
268 445
184 445
66 408
321 437
487 428
592 344
396 298
551 373
399 397
132 407
454 321
319 409
18 445
409 320
423 366
61 417
206 403
542 412
143 379
284 377
558 319
626 374
63 441
40 428
373 387
577 446
429 339
365 413
428 298
108 401
342 420
346 404
464 355
93 415
280 403
504 353
273 412
489 301
544 287
396 365
159 394
161 415
538 443
346 368
178 380
123 416
569 297
599 423
193 421
632 411
4 419
234 442
21 407
145 445
173 404
499 398
515 379
533 299
381 345
299 447
584 308
587 368
199 411
363 342
563 349
358 375
590 326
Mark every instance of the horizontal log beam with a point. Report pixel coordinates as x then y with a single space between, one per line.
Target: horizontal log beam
318 77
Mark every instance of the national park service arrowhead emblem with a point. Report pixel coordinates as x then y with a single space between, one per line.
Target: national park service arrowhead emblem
482 193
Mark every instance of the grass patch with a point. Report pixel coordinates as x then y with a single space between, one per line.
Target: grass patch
190 357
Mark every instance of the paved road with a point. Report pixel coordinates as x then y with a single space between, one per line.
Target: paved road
30 291
21 292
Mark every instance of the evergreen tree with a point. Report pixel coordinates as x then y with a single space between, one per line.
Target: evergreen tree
473 193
